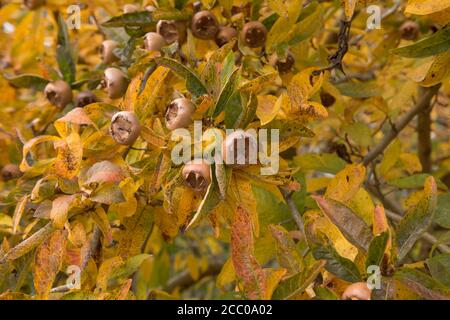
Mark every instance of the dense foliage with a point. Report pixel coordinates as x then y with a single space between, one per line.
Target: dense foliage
89 187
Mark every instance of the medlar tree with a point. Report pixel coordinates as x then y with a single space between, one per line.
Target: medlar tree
93 205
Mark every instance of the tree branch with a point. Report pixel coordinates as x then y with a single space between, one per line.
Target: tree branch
294 211
184 280
423 104
424 137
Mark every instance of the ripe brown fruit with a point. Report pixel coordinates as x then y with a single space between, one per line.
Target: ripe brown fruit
225 35
59 93
154 41
197 176
115 82
33 4
357 291
125 127
179 113
204 25
172 31
11 171
240 149
282 66
327 99
130 8
409 30
107 51
85 98
254 34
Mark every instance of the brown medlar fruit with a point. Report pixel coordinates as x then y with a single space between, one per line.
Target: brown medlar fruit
197 176
11 171
130 8
85 98
179 113
204 25
409 30
125 127
154 41
33 4
115 82
327 99
240 149
107 51
225 35
171 30
282 66
59 93
357 291
254 34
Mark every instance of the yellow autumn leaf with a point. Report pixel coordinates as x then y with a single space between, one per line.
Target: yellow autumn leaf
424 7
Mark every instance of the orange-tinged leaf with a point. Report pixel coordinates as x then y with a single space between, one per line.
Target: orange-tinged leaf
60 209
48 261
247 268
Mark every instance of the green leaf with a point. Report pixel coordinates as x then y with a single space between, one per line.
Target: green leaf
323 162
270 209
359 89
288 255
296 284
414 181
417 219
193 82
442 215
439 267
134 19
306 27
376 249
360 133
290 129
352 227
64 54
436 43
422 284
341 267
27 81
227 92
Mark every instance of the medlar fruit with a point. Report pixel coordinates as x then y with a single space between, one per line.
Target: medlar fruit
107 51
204 25
225 35
409 30
115 82
179 113
125 127
130 8
154 41
357 291
11 171
240 149
171 31
197 176
84 98
254 34
59 93
282 66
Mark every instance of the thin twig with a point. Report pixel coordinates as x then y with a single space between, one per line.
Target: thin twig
422 104
184 280
294 211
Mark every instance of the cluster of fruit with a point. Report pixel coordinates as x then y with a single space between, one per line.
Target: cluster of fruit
125 126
